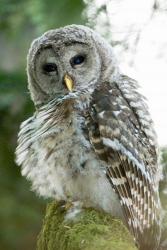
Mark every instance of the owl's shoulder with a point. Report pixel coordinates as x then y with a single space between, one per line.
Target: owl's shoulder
121 115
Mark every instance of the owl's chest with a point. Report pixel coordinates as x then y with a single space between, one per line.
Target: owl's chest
68 146
63 164
66 160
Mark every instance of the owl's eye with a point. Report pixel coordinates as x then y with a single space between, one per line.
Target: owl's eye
77 60
49 68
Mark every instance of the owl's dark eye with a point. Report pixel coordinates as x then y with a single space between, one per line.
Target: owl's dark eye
77 60
49 67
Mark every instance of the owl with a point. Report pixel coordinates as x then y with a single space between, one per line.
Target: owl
91 138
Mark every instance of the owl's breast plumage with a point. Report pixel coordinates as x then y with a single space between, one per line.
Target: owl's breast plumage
62 164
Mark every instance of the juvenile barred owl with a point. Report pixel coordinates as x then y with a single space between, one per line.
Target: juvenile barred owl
91 137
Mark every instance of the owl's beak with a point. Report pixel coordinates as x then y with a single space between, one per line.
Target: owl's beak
68 82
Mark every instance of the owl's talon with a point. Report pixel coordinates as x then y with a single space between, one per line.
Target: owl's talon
68 205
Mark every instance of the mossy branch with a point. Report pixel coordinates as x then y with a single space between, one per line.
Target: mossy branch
91 230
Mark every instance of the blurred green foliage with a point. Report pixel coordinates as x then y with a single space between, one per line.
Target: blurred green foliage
21 211
16 15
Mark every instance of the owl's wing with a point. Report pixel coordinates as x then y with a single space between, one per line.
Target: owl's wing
121 132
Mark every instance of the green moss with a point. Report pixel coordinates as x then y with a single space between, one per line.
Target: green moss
91 230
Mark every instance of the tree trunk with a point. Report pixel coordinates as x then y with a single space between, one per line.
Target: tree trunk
88 230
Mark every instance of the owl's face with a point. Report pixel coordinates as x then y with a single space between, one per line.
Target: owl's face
78 61
73 53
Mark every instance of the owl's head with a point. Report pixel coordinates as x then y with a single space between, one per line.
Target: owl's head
68 59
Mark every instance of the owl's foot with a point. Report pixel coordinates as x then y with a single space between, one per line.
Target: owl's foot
72 208
68 205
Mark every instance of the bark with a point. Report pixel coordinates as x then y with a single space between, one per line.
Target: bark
89 230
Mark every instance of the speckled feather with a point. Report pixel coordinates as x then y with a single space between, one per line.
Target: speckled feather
121 138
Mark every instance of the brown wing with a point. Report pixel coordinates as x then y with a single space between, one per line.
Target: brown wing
121 136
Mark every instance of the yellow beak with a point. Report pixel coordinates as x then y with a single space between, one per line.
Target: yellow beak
69 82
